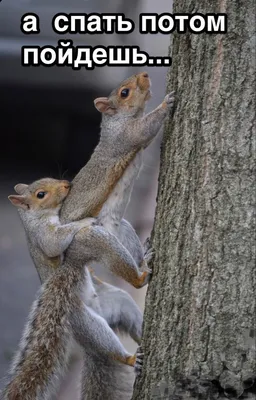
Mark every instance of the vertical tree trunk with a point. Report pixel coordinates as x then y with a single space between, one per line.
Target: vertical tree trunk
199 328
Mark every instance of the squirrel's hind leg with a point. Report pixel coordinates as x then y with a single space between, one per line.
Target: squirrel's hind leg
93 333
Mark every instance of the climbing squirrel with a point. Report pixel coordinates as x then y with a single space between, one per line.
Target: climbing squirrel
113 166
125 131
41 201
103 187
60 311
125 122
102 377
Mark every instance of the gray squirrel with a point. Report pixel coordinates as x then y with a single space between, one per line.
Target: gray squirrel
39 204
125 133
103 377
66 306
102 188
99 368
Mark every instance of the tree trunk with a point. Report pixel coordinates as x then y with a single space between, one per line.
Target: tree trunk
199 327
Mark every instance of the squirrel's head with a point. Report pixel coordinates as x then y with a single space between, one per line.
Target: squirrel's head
46 193
129 98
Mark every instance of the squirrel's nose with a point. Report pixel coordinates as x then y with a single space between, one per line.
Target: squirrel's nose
143 81
143 74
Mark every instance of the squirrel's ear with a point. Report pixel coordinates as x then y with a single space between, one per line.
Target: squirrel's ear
18 201
20 188
103 105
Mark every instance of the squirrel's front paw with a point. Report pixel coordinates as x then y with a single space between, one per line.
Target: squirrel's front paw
148 255
146 245
170 99
139 361
145 268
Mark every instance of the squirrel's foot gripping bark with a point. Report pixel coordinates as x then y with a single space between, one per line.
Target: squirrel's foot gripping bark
139 361
169 100
135 361
146 271
148 251
143 279
146 245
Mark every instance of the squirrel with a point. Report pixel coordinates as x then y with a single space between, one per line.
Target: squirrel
102 377
107 178
103 186
125 132
129 102
41 201
60 311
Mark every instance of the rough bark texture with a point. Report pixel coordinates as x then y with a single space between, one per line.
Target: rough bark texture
200 328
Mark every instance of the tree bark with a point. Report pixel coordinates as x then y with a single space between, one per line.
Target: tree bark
199 326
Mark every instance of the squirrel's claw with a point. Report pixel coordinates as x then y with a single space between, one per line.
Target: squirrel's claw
170 99
146 245
149 255
139 361
148 251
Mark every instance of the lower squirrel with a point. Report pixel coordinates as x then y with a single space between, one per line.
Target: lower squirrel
40 203
60 311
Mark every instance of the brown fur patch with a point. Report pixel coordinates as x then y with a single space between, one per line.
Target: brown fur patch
140 280
131 360
13 394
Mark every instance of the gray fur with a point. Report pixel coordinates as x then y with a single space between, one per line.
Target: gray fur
105 379
119 310
63 308
123 138
143 130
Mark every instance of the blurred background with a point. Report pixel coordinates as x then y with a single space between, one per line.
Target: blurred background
49 127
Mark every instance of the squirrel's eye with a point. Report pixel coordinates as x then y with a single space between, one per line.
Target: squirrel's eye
125 93
40 195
